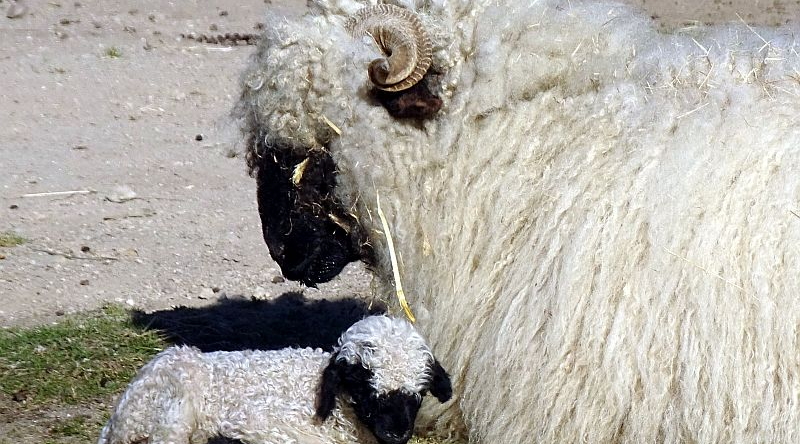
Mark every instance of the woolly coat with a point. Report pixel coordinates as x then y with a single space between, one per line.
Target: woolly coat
252 396
599 233
263 397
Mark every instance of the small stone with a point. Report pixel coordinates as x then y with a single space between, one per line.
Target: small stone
84 282
260 293
198 137
85 249
13 206
223 13
215 289
152 18
130 302
59 312
278 279
213 27
2 256
80 147
206 293
20 395
122 193
16 10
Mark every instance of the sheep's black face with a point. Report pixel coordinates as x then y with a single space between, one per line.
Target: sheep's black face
307 231
389 416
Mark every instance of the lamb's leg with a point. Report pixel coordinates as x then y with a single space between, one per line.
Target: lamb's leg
172 435
176 426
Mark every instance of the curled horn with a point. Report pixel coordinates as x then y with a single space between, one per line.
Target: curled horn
400 35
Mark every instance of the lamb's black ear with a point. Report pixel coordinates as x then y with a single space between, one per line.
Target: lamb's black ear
441 387
328 389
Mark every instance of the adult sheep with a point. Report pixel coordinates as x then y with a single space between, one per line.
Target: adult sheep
599 232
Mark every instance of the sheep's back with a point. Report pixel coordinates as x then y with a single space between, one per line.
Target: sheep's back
269 396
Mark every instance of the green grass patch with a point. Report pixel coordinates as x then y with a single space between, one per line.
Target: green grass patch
76 427
85 358
9 239
113 52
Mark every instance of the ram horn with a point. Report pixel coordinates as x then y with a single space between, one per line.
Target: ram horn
400 35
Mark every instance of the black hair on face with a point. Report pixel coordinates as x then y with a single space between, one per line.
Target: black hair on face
389 416
441 387
305 227
417 102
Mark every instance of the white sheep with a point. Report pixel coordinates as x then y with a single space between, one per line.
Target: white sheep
598 232
379 372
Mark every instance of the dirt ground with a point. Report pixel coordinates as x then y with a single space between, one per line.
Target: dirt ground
125 124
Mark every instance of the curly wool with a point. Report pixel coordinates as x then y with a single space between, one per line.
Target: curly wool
607 210
396 351
184 395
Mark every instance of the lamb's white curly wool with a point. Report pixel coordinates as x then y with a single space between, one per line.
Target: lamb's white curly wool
184 395
395 348
253 396
599 233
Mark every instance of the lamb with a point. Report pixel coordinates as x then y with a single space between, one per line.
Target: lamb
368 390
608 210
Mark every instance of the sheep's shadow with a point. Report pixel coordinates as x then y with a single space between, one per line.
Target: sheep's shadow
291 320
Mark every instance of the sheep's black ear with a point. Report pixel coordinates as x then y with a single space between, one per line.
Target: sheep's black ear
441 387
328 389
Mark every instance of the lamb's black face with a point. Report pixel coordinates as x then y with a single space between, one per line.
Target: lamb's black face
389 416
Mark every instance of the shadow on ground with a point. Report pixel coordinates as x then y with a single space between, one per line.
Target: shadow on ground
291 320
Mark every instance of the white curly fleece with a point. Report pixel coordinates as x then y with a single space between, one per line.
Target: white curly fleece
599 230
392 349
184 395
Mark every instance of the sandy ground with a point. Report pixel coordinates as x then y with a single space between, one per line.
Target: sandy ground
105 99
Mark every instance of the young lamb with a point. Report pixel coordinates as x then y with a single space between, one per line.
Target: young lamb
379 372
